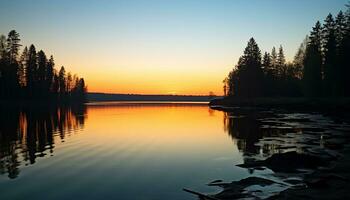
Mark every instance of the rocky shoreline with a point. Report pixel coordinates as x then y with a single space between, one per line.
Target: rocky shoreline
308 154
333 106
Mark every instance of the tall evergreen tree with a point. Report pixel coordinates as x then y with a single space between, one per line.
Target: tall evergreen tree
274 61
250 71
342 57
330 57
22 67
340 27
266 63
299 58
49 77
42 64
31 71
233 83
55 84
69 82
281 62
82 89
62 81
10 65
13 46
312 64
268 75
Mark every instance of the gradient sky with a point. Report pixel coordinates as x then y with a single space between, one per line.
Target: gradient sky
159 46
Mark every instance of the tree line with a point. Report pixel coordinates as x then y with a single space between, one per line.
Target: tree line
32 75
320 67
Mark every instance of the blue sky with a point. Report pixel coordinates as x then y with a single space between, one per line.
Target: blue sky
111 42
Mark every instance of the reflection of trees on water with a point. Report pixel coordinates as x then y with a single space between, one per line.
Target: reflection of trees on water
246 129
29 133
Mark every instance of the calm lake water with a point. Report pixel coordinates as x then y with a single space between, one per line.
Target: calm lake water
122 150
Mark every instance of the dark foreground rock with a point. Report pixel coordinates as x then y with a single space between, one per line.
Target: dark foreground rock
308 154
324 184
289 162
250 187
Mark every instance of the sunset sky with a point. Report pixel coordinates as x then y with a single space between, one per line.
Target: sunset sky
159 46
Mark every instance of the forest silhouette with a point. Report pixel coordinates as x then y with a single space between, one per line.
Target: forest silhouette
320 68
32 76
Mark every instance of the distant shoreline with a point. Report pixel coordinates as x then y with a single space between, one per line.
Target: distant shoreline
108 97
101 97
326 105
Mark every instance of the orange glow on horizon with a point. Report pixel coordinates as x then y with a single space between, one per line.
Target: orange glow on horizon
154 83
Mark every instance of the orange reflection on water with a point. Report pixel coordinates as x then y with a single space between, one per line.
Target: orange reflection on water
162 126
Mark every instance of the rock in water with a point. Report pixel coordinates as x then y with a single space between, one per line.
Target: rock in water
291 161
288 162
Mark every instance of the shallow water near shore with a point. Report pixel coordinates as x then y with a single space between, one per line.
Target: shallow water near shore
130 150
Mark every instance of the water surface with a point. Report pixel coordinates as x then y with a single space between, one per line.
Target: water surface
116 150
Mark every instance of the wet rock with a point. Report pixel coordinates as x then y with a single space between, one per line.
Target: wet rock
239 189
293 180
259 168
254 181
219 183
216 181
288 162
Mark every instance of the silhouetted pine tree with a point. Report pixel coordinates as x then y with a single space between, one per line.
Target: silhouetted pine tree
62 82
281 62
299 58
266 63
69 81
13 46
10 69
55 85
250 71
42 64
233 83
31 72
268 75
330 57
79 90
274 61
22 68
49 76
312 78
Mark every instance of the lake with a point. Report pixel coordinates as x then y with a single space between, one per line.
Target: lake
125 150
